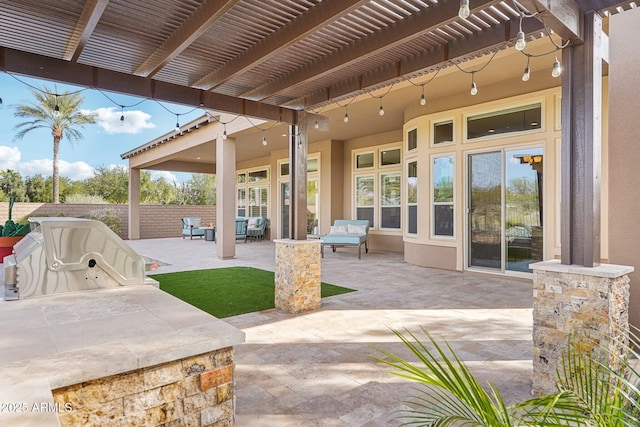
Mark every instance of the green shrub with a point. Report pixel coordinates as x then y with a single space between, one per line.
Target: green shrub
85 199
109 217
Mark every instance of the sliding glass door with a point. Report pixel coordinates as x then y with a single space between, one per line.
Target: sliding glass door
505 208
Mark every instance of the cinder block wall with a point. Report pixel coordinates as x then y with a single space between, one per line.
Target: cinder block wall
156 221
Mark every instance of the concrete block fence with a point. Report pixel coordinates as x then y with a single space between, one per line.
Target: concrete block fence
156 221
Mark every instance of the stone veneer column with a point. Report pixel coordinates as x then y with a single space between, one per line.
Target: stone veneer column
195 391
297 275
574 299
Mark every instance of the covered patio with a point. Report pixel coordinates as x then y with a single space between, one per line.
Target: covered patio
316 369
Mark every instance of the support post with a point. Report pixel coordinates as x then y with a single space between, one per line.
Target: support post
581 147
225 198
134 203
298 177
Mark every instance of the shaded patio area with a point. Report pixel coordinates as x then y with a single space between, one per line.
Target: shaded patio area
316 369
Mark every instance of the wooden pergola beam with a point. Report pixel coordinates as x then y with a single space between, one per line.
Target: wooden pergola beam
91 14
299 28
200 20
43 67
420 23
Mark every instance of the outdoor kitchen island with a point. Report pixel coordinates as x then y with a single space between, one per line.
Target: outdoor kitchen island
88 339
131 355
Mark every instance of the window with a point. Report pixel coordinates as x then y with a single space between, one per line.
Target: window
242 201
253 193
378 191
364 160
365 192
390 157
313 196
443 176
258 197
443 132
518 119
412 197
412 139
390 200
258 176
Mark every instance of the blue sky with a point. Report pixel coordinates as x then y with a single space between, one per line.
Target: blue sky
102 143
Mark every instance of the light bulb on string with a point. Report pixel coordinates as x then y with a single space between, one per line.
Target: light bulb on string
520 41
122 116
177 123
56 108
316 125
527 71
224 132
346 115
264 140
474 86
381 110
464 11
423 100
557 68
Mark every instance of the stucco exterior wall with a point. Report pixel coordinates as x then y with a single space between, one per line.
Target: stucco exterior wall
624 155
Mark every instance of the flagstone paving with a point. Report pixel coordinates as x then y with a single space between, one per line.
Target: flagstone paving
317 368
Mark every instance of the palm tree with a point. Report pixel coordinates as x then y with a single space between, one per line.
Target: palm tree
58 112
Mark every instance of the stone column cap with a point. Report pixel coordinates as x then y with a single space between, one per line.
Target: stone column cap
610 271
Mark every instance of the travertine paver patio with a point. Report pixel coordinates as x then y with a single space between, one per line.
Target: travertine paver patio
316 369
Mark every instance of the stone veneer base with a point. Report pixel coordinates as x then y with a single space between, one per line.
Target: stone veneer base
573 299
195 391
297 275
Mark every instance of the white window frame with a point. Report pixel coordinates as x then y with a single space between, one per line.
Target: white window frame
496 110
376 173
254 186
432 132
433 203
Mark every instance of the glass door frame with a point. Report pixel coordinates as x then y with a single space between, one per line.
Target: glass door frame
503 150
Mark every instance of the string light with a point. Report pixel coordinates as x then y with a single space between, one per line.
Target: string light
474 86
224 132
264 140
464 11
346 115
316 125
557 69
423 100
177 122
527 71
520 41
381 110
122 116
56 108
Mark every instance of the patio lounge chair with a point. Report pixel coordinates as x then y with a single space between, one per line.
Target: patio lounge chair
191 227
241 229
256 226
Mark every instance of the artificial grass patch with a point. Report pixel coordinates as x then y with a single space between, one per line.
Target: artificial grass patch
224 292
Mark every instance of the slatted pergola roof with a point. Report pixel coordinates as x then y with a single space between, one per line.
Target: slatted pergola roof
264 58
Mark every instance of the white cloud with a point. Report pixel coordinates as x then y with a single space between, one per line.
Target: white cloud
168 176
9 157
109 119
75 171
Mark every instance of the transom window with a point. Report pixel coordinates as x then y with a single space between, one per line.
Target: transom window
517 119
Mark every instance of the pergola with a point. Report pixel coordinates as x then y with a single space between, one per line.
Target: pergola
279 59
